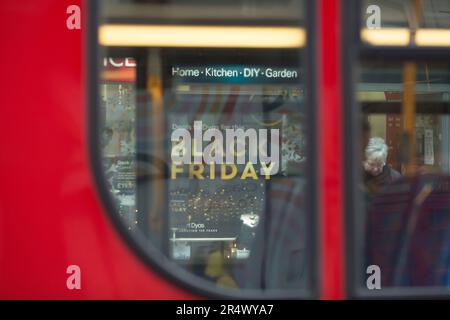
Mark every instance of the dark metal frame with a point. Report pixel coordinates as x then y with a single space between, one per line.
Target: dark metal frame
354 52
154 259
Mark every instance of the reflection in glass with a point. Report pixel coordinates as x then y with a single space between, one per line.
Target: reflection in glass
405 171
205 149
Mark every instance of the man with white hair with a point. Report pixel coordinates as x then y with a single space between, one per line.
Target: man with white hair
378 173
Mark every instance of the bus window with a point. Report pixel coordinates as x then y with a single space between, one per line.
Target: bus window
203 117
405 171
401 165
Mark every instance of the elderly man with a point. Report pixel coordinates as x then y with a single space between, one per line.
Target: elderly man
377 172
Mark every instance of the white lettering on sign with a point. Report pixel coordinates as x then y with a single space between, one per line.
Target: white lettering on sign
119 62
251 72
181 72
239 72
193 225
285 74
221 72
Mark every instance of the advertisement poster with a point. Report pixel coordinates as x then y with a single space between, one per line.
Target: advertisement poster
121 176
213 201
229 136
118 142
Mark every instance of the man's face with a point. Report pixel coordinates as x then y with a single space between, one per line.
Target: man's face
373 166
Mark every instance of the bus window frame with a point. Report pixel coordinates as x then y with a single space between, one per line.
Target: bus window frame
355 50
151 257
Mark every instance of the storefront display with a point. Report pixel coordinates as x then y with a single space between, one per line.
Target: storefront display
224 201
229 131
118 143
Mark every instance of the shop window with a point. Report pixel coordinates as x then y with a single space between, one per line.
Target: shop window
201 139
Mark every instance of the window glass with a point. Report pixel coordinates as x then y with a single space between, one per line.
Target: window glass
405 174
204 136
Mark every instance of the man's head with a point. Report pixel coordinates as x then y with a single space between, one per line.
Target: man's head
376 155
